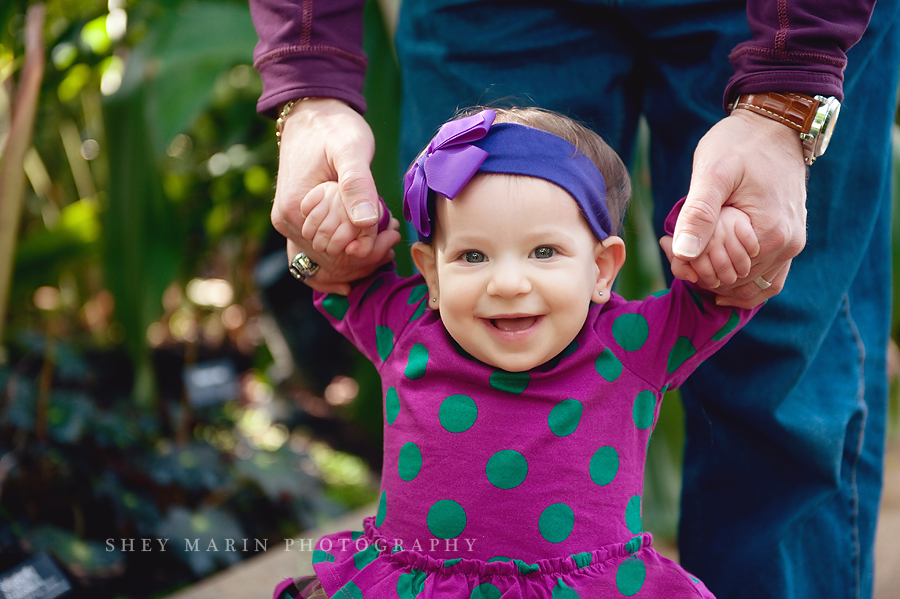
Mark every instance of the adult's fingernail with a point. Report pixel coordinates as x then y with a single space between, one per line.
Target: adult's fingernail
363 212
687 245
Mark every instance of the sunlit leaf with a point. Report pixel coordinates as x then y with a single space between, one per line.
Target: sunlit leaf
89 558
94 36
74 82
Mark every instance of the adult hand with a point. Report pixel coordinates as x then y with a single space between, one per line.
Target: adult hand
336 272
756 165
324 139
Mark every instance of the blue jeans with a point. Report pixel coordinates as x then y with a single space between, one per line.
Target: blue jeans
786 425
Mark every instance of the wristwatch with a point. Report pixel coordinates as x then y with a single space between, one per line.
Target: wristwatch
813 117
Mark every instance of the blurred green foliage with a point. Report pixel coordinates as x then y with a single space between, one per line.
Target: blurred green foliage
151 175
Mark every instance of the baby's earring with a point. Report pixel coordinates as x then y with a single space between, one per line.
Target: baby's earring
601 293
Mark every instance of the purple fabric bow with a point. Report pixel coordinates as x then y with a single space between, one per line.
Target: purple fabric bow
446 166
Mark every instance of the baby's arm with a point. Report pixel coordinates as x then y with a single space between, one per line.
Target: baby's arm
729 251
327 225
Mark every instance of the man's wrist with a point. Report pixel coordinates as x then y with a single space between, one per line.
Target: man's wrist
283 115
812 117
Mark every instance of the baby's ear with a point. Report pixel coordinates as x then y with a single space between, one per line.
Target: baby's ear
425 260
609 256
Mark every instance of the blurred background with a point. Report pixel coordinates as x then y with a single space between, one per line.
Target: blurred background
161 375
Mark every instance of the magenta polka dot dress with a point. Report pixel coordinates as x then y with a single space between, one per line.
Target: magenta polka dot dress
519 485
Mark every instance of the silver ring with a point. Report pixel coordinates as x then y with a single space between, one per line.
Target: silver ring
762 283
302 267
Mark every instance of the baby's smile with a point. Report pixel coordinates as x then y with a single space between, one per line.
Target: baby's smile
513 323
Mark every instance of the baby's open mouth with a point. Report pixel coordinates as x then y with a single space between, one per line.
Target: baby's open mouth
513 324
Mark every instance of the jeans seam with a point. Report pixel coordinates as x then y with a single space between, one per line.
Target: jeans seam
860 400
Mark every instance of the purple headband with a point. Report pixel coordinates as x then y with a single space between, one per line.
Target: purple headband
467 146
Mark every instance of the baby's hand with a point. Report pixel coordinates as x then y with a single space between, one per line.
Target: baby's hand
728 254
328 226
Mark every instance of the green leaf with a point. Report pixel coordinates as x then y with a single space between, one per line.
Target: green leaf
201 538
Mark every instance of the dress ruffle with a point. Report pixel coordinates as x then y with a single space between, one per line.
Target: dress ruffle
364 565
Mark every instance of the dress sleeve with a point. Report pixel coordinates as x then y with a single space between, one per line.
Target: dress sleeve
797 46
665 337
377 312
309 48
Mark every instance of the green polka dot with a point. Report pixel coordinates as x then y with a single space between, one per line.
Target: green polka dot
458 413
660 293
526 568
376 284
681 351
384 342
350 591
449 563
336 305
365 557
382 509
418 361
410 584
556 523
320 556
500 558
630 576
446 519
695 579
416 294
391 405
644 406
634 544
506 469
510 382
697 300
604 465
582 560
356 534
423 307
630 331
633 515
608 365
564 417
563 591
410 462
732 323
485 591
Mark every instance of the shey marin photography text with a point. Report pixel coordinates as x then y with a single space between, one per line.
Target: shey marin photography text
128 545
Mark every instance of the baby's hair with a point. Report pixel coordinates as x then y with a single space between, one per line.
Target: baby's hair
615 174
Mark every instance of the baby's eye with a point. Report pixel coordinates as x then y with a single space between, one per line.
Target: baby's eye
474 257
543 252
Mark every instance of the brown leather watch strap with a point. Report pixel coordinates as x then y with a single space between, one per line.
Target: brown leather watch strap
794 110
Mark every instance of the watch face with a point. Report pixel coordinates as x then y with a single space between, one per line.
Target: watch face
823 124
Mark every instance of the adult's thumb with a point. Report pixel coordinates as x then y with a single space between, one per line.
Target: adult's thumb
359 196
696 223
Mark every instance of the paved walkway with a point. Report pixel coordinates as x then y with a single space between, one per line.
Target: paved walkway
256 577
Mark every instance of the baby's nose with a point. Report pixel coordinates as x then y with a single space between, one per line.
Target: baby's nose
509 280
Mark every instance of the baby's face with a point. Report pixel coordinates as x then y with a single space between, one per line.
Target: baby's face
515 270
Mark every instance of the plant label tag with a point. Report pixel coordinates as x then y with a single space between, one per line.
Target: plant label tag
37 578
211 382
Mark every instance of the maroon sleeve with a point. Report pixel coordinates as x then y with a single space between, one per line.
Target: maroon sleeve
309 48
797 46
